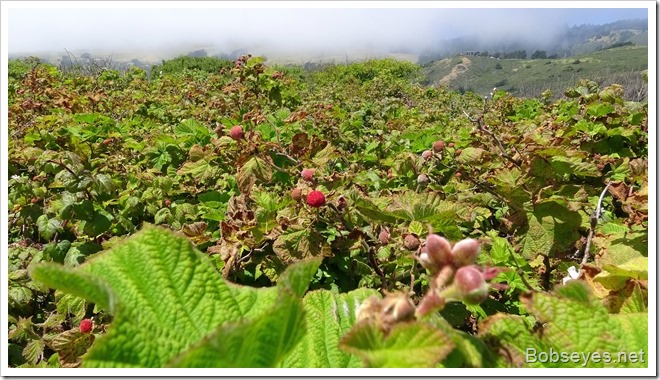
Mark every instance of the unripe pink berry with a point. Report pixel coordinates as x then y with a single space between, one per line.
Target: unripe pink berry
307 174
427 154
411 242
422 179
438 146
236 132
384 236
296 194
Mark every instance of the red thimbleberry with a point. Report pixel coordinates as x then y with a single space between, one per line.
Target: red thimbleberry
315 198
236 132
86 326
427 154
307 174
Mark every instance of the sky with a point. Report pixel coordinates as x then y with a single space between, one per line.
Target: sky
285 30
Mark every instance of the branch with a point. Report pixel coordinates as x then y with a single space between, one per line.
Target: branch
592 229
479 122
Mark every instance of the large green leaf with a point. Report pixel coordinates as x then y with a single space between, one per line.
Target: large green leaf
570 320
166 297
406 345
263 340
552 230
328 316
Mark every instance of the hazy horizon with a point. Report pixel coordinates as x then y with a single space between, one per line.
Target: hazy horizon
283 31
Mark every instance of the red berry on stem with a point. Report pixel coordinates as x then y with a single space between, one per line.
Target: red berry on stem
427 154
86 326
315 198
438 146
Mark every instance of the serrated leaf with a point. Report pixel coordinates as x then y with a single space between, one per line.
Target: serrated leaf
261 341
406 345
252 171
571 320
297 243
34 350
71 345
470 155
552 230
48 227
328 316
157 316
636 302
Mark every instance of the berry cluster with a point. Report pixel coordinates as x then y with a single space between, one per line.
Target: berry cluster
454 275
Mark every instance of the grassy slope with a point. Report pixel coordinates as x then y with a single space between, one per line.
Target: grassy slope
531 77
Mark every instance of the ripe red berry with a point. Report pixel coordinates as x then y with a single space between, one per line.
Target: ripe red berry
438 146
458 152
307 174
427 154
168 202
86 326
451 145
236 132
315 198
296 194
458 174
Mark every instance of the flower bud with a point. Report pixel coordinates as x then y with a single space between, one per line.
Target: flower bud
439 250
465 252
471 286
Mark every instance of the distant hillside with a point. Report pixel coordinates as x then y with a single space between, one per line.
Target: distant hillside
530 77
576 40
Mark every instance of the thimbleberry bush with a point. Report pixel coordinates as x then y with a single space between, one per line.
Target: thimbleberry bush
249 215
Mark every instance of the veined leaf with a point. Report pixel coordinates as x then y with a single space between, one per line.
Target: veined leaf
157 315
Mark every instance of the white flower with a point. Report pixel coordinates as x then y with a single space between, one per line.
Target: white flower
15 177
573 274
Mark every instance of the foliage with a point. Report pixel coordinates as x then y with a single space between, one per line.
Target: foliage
94 162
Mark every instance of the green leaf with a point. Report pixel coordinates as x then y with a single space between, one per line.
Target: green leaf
328 316
261 341
570 320
33 351
252 171
552 230
297 243
406 345
157 315
48 227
